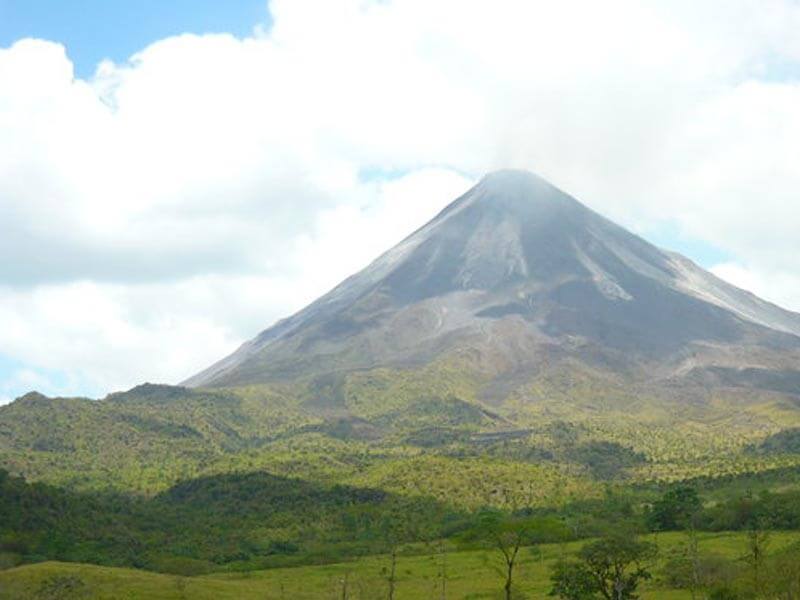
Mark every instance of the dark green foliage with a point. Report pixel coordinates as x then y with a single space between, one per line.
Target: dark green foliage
732 483
605 460
572 580
253 519
433 437
158 427
444 412
786 441
775 510
599 516
676 509
723 592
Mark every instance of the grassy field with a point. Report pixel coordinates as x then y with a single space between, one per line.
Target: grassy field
469 575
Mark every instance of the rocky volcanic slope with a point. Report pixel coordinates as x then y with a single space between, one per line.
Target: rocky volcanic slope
516 277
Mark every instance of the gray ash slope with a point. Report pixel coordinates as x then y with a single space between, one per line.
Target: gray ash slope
515 275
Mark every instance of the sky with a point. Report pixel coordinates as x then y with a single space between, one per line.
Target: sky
174 177
95 30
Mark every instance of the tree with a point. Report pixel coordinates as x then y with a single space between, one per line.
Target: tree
685 507
391 577
395 529
442 551
572 580
757 543
507 533
723 592
344 586
676 509
693 555
609 568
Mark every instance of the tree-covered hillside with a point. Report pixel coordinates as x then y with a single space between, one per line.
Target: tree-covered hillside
190 481
369 428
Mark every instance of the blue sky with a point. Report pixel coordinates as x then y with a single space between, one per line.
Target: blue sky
93 30
670 237
17 378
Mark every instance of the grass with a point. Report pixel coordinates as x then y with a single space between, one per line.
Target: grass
470 575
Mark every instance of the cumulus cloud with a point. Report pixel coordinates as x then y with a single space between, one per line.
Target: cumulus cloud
105 335
156 215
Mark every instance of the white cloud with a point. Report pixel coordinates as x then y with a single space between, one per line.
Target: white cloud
106 336
156 215
780 287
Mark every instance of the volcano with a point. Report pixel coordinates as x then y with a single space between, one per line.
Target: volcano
514 278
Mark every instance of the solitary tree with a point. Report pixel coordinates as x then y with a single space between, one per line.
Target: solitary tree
508 533
609 568
396 529
757 542
686 512
693 558
442 551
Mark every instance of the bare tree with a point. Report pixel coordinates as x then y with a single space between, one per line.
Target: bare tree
392 578
757 542
693 556
509 531
442 570
395 530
